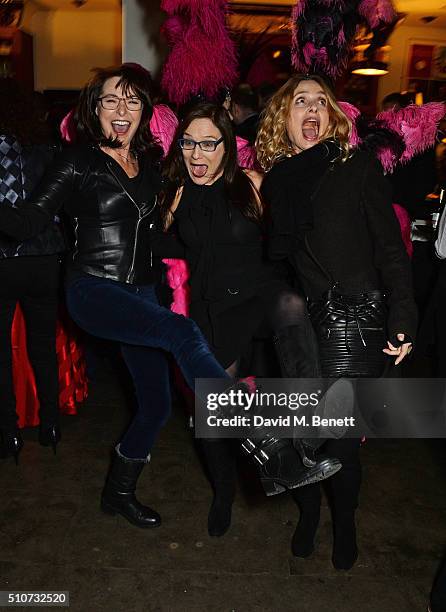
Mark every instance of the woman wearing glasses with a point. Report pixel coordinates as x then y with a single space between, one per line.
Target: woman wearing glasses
235 294
108 188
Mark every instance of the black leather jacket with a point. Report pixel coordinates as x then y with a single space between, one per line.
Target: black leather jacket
109 225
21 168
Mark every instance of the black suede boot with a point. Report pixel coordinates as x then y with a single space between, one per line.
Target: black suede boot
308 500
221 464
118 496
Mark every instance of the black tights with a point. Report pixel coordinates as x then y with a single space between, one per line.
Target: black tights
286 320
343 487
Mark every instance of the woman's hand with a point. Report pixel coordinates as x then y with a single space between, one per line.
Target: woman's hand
401 351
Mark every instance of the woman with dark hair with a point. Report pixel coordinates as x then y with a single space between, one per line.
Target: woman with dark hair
235 294
29 268
108 188
332 219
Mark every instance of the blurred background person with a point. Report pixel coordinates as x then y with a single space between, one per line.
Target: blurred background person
29 269
244 111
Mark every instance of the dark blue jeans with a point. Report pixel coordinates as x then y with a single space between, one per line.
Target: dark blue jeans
131 315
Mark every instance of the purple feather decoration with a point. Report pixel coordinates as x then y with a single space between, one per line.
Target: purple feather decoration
203 58
416 124
377 12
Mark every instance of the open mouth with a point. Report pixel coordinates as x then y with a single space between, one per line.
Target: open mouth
310 129
120 126
198 170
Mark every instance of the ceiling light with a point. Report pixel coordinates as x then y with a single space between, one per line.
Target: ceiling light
370 68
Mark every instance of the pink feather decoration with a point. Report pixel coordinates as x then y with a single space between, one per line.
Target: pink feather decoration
203 59
173 29
352 113
177 277
404 221
163 125
246 154
67 127
416 124
298 9
377 12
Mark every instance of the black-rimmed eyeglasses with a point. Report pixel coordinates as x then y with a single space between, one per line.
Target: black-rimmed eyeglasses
208 146
112 102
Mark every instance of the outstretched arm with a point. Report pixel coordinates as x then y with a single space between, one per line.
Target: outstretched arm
31 218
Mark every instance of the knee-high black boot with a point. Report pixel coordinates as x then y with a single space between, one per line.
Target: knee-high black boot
118 496
221 464
344 496
308 500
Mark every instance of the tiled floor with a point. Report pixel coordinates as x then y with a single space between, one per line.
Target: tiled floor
53 536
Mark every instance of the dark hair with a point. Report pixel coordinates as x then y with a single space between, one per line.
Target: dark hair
245 96
395 98
21 115
238 186
133 78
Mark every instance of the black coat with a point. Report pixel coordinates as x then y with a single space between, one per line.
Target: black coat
109 224
350 226
21 168
230 279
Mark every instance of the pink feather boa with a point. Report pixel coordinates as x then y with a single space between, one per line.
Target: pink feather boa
416 124
177 277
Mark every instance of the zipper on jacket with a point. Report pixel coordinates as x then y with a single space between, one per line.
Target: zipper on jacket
76 225
140 218
130 272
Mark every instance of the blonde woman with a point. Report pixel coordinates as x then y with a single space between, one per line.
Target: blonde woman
332 219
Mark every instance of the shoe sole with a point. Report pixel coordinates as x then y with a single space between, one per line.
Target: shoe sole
107 509
322 472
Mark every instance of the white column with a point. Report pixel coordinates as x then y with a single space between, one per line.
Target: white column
141 42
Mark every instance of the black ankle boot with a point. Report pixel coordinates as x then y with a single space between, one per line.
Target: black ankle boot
345 548
221 464
283 468
308 500
11 443
50 436
118 496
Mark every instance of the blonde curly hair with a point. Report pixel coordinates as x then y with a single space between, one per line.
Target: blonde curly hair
273 143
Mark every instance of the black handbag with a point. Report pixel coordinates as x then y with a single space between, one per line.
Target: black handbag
351 330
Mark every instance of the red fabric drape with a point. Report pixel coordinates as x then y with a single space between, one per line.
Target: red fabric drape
72 378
